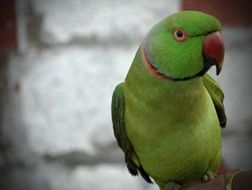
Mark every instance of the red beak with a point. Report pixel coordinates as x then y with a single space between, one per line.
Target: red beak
213 50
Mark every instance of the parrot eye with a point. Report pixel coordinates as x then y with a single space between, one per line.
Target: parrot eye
180 35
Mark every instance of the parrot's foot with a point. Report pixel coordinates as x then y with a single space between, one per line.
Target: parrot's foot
208 177
172 186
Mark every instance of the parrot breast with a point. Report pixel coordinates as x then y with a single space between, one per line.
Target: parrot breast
173 126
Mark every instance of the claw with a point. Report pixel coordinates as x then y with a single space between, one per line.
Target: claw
208 177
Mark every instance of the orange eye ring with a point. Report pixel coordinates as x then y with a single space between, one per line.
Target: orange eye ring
180 35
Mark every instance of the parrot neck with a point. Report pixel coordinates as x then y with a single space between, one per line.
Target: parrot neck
144 83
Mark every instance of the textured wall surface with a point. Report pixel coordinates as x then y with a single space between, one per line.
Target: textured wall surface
235 14
57 120
56 124
8 40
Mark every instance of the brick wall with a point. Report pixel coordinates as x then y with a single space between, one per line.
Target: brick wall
230 12
8 40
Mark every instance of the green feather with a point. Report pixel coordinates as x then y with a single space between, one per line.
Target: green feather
217 96
173 126
170 129
118 109
179 60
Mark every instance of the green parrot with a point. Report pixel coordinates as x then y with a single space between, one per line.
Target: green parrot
168 113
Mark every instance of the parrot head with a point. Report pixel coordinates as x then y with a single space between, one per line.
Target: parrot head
183 46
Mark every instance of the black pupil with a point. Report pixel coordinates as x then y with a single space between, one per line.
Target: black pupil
179 34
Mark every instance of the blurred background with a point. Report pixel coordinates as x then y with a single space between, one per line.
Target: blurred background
59 63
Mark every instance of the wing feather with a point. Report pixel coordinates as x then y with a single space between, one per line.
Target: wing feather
217 96
118 110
